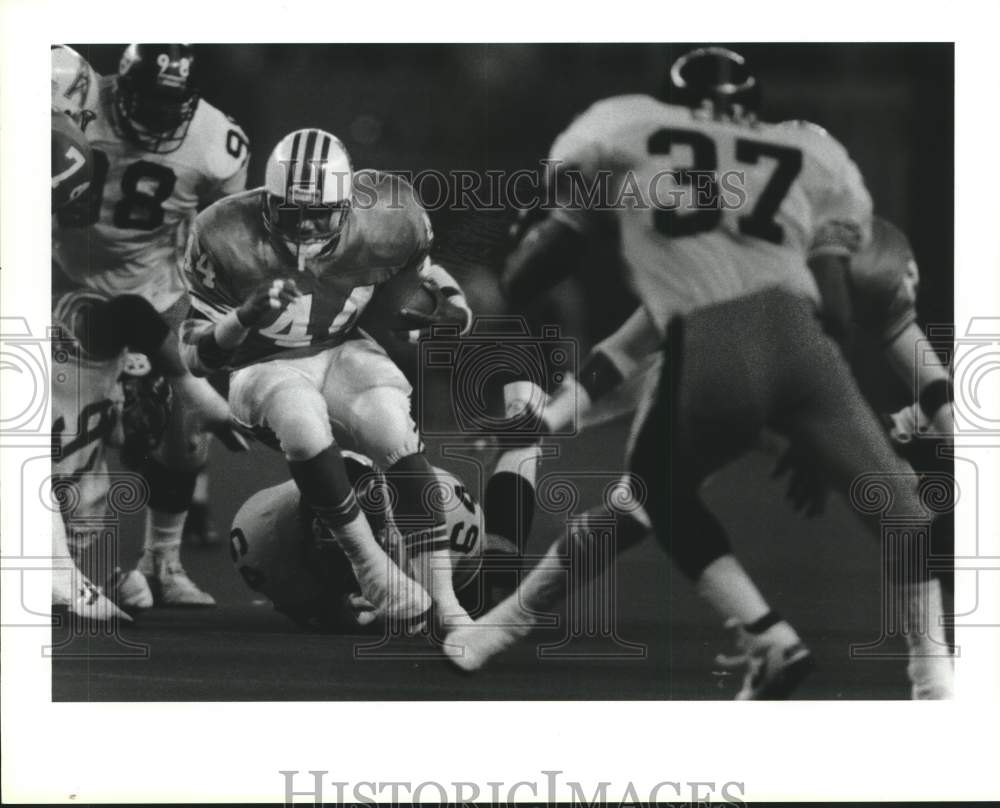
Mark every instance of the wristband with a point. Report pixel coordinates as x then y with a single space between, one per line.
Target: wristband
230 331
934 396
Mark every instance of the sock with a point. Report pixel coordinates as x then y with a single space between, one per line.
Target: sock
424 533
725 585
163 534
200 494
327 490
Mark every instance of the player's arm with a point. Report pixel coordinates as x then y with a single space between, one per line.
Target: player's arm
551 246
218 324
843 214
909 357
450 304
612 361
229 168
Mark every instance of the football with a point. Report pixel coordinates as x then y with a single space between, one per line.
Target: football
403 290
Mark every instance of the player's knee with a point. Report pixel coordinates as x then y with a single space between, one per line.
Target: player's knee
382 425
300 423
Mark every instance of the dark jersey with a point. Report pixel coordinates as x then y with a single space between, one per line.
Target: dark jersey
232 252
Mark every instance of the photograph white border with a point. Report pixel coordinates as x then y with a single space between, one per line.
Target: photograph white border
159 752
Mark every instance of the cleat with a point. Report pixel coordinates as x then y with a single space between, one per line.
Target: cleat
402 600
169 582
90 603
472 646
774 662
130 590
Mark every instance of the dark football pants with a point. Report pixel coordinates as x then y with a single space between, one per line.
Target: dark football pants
732 369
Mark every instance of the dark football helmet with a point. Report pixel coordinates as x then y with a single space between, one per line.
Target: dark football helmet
155 95
715 80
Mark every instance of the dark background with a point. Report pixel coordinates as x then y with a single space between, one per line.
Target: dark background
480 107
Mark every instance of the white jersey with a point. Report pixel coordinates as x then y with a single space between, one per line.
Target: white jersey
711 210
86 396
131 234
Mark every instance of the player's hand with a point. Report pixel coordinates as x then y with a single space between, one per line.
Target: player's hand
266 299
416 324
807 489
236 437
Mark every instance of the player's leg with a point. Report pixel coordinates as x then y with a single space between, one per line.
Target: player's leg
171 469
704 412
368 399
369 402
568 562
285 396
837 427
72 590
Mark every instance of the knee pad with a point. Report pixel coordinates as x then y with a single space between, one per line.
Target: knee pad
381 426
300 422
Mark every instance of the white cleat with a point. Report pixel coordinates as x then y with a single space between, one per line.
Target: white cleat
397 598
90 603
169 582
473 645
774 662
131 590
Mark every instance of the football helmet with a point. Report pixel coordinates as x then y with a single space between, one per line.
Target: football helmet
74 86
155 96
308 186
72 161
715 81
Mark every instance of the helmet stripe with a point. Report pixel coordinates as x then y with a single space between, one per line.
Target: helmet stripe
291 169
307 167
324 151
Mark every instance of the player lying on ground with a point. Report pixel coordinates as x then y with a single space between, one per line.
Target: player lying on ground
160 153
278 543
735 291
279 277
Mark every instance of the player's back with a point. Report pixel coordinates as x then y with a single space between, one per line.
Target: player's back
129 234
710 210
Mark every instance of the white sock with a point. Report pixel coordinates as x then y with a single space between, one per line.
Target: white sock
433 571
200 495
725 585
163 533
930 667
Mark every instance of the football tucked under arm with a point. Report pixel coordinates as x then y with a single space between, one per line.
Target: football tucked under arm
416 299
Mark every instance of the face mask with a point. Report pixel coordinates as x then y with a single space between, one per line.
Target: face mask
307 251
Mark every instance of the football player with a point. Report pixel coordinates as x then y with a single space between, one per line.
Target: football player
737 236
279 277
104 352
884 281
160 153
275 540
74 99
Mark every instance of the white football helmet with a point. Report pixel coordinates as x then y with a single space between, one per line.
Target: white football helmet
308 185
74 85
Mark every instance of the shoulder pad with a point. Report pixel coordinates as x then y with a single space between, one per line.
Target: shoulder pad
221 141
